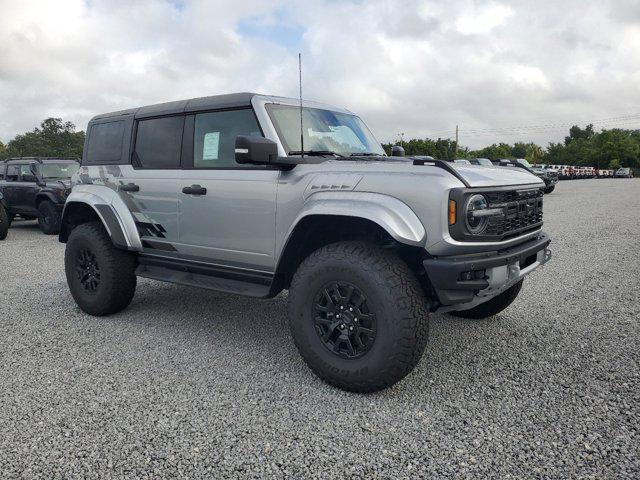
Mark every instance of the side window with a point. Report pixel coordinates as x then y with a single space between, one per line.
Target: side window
215 137
105 143
26 174
13 173
158 143
2 170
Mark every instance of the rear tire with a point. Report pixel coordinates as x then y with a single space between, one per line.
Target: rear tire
48 218
363 354
550 189
493 306
101 277
4 223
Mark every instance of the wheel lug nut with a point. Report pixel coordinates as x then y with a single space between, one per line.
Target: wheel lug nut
341 307
350 328
355 320
351 309
342 326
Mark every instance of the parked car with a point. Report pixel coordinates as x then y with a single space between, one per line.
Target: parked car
37 188
223 193
4 219
462 161
624 173
603 173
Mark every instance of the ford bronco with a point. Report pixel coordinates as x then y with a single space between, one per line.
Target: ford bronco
253 194
35 187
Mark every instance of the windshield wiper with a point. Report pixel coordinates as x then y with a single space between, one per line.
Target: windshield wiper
315 153
365 154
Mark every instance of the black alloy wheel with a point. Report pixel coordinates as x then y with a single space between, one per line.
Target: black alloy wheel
88 270
343 320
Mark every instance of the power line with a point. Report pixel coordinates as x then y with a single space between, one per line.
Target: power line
619 120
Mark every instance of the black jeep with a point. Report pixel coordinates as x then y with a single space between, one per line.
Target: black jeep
36 188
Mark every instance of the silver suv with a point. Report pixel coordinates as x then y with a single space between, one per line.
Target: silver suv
252 194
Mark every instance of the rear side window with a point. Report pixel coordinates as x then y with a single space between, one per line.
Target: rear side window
215 137
13 173
158 143
105 143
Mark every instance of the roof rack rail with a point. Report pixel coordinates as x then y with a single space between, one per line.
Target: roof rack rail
445 166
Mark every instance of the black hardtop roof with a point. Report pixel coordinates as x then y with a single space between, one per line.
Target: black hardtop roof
231 100
38 159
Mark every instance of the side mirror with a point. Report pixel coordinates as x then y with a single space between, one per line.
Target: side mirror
255 150
397 151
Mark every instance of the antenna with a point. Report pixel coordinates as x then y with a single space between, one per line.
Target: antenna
300 82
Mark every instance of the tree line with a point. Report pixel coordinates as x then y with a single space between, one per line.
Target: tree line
583 146
53 138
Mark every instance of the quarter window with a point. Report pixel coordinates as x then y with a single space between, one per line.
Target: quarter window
215 137
105 143
158 143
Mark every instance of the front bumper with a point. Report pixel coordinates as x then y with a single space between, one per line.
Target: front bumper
469 279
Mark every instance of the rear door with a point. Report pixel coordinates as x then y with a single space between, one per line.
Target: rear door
227 210
149 185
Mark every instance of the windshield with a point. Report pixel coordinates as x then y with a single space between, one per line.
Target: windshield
58 170
484 161
322 130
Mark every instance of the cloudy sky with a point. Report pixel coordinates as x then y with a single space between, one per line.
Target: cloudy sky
501 70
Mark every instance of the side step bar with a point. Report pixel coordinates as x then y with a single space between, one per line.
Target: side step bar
222 279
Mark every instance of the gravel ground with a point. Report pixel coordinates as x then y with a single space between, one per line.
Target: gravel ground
189 383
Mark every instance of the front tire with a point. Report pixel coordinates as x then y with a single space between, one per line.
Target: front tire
550 189
101 277
4 223
358 316
493 306
48 218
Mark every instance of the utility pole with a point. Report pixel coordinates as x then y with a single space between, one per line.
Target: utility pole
456 154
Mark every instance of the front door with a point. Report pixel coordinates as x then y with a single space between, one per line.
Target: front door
26 190
227 211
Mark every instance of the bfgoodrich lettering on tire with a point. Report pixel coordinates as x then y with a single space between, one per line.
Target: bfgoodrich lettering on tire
358 316
101 278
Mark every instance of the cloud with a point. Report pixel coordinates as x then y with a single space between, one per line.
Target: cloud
419 67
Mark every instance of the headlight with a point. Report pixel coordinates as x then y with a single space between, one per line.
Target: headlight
476 216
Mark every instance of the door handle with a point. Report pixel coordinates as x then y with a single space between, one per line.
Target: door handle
131 187
194 190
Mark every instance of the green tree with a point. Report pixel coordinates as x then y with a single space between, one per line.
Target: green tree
3 151
576 132
519 150
54 138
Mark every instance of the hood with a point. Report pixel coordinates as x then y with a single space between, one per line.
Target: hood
66 183
480 176
474 175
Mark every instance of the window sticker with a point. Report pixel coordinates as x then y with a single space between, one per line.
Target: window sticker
211 146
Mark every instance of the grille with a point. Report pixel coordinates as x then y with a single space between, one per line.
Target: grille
522 211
